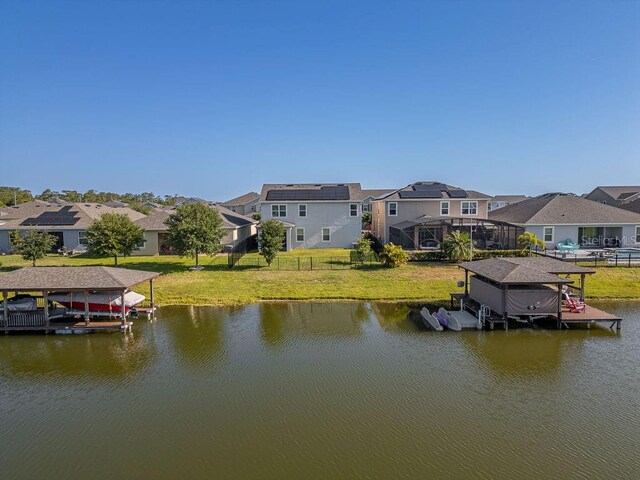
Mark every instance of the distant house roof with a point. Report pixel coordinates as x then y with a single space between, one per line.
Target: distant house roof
633 206
617 192
375 192
242 199
311 192
509 198
527 270
230 220
432 191
46 215
73 278
560 208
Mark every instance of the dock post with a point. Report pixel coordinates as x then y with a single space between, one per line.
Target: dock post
5 314
86 309
151 302
582 277
559 323
45 296
123 310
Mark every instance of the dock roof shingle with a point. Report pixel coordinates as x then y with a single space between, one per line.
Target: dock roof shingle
73 278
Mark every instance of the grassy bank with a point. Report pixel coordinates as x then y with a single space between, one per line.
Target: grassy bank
217 285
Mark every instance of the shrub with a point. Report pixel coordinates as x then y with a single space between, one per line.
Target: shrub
529 241
457 246
362 251
393 256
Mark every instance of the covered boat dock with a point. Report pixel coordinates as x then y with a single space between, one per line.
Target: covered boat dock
81 282
530 288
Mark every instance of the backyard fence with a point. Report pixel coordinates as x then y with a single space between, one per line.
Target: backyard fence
628 260
304 263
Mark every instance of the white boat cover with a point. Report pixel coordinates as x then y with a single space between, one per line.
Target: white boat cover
109 298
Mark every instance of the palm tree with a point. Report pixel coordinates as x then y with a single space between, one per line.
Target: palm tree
457 246
529 241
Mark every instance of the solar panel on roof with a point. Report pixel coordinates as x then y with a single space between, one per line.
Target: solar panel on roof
62 217
458 193
324 193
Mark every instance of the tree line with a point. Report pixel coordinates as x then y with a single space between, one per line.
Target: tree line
10 196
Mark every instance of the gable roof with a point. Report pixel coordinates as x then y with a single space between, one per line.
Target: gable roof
633 206
73 278
375 192
508 198
242 199
60 215
310 192
617 192
561 208
525 270
230 220
433 191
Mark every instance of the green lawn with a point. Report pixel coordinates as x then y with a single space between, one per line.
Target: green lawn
217 285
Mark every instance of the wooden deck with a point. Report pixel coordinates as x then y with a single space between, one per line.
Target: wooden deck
589 315
62 327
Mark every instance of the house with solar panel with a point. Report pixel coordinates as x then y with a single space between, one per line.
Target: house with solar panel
67 222
320 215
422 214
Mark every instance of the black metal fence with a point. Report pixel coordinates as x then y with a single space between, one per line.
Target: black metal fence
304 263
628 260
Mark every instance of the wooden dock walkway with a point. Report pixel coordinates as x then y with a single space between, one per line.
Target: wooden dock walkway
589 315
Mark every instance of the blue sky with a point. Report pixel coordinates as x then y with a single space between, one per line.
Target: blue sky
213 99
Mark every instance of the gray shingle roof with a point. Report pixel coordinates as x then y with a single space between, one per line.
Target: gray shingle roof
472 194
528 270
73 278
242 199
354 190
84 212
230 220
559 208
632 206
509 198
618 192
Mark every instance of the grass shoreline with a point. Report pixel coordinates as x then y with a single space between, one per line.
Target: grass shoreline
216 285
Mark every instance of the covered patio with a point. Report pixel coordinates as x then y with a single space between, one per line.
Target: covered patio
42 313
427 233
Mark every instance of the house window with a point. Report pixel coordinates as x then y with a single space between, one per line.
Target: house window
637 233
82 238
469 208
444 208
393 209
353 209
366 207
326 234
278 211
302 210
299 234
548 234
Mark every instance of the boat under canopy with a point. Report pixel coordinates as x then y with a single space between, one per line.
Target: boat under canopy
98 302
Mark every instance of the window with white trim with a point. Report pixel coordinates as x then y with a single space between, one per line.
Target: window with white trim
299 234
353 209
469 208
326 234
278 211
548 234
82 239
302 210
393 209
444 208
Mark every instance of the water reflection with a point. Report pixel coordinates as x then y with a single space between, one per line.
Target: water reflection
394 317
197 334
283 322
98 355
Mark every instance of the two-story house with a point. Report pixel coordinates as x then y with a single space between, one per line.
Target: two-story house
320 215
614 195
422 214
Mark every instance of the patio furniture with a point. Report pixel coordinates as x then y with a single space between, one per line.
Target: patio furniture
574 305
568 246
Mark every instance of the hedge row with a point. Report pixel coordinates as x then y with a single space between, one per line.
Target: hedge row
439 256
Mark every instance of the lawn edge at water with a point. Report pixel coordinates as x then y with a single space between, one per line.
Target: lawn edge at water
216 285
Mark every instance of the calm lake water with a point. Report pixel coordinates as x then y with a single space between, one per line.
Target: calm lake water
321 391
